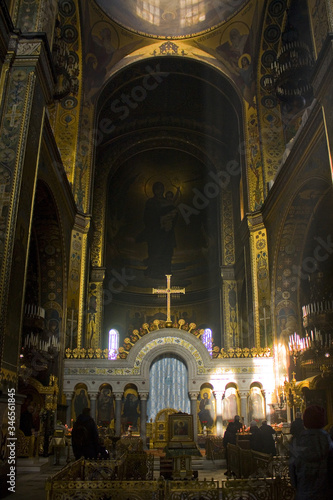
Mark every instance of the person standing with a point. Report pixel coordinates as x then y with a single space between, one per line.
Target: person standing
85 440
268 441
237 423
297 426
256 438
311 458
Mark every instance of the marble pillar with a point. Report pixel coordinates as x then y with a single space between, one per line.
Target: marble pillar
244 414
93 398
118 396
219 423
69 397
143 416
194 397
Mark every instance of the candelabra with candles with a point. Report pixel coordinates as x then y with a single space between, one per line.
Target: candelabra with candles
294 397
312 352
281 400
297 345
38 350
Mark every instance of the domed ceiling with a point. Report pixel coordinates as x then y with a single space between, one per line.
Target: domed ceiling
170 18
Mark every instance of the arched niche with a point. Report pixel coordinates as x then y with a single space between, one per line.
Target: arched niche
169 341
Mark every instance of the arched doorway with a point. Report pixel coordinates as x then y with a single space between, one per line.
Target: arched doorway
168 381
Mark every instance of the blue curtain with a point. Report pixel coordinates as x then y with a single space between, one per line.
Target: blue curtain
168 386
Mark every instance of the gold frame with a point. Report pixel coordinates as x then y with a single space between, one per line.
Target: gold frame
180 427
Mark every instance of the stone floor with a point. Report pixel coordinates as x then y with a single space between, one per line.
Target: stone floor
30 482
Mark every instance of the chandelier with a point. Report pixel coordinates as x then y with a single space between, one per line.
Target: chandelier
66 66
291 71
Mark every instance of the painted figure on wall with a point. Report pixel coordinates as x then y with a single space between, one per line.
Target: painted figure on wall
160 217
229 404
80 402
130 413
286 324
256 405
206 409
105 406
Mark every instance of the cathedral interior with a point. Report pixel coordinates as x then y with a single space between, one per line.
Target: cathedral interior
165 212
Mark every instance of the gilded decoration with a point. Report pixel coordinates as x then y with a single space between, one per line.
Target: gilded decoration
67 49
260 276
271 129
228 241
230 309
12 141
321 22
94 327
35 16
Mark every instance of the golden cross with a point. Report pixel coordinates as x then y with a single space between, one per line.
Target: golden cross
168 291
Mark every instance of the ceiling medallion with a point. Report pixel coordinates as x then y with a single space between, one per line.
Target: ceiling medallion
169 16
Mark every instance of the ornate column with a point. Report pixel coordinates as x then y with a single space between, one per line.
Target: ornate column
29 87
219 421
143 416
229 284
93 397
194 397
230 308
118 396
69 397
260 280
243 400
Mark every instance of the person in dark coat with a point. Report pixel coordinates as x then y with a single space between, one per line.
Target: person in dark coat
85 440
237 423
256 438
297 426
268 439
311 458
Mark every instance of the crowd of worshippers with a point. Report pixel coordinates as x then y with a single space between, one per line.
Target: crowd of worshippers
261 438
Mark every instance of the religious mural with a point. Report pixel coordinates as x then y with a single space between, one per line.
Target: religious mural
207 408
171 227
159 222
105 406
256 405
229 405
130 415
80 401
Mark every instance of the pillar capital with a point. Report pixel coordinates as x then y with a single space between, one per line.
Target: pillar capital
118 396
193 395
243 394
93 395
143 396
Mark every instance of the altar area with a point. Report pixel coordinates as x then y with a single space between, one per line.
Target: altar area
138 390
